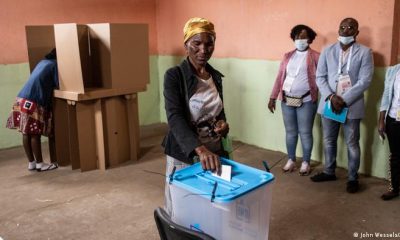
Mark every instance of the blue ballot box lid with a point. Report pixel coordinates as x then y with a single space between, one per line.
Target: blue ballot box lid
199 182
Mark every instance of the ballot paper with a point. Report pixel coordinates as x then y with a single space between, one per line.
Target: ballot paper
226 172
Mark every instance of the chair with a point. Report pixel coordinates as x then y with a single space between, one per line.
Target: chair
169 230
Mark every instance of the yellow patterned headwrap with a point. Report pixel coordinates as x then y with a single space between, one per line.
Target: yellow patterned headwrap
197 25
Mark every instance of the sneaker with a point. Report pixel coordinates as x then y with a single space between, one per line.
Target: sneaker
32 166
352 186
41 167
323 177
389 195
305 169
289 166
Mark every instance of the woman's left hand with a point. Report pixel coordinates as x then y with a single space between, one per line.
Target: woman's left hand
222 128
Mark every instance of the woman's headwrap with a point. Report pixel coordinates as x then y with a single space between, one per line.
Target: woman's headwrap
197 25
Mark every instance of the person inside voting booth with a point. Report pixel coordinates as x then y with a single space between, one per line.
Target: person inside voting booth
344 73
32 111
295 86
194 105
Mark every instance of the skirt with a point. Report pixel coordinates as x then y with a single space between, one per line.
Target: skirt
30 118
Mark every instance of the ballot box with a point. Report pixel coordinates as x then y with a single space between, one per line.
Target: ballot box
226 210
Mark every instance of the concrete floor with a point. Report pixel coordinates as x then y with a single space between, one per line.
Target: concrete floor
119 203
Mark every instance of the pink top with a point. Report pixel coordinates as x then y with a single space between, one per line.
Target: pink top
312 61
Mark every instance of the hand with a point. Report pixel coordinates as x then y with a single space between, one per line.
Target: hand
337 104
272 105
222 128
208 160
381 128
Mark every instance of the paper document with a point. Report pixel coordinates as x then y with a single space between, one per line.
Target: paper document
226 172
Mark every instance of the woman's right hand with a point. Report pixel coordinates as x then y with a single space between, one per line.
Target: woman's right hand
208 160
272 105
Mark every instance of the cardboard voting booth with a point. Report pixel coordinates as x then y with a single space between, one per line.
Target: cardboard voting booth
235 209
101 69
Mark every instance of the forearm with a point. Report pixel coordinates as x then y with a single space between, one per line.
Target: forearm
382 116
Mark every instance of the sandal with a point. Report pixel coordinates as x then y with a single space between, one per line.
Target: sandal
305 169
46 167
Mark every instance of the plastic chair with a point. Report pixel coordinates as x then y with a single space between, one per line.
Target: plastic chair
169 230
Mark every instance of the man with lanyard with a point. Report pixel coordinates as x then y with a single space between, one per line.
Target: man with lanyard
344 72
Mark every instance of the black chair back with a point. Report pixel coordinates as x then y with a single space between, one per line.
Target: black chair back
169 230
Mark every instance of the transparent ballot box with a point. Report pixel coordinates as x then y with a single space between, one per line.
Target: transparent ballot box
235 209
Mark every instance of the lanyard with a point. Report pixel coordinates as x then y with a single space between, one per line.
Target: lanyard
348 61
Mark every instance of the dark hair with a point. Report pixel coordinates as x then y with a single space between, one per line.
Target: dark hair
52 54
351 19
296 30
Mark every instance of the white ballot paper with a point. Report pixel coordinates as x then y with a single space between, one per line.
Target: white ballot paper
226 172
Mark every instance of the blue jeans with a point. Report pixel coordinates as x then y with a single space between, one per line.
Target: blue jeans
351 130
299 121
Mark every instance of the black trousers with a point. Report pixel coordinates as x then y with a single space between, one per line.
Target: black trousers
393 135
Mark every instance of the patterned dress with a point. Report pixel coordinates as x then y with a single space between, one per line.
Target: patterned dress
32 111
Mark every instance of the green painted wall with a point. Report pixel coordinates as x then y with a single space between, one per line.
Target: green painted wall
13 77
149 101
247 86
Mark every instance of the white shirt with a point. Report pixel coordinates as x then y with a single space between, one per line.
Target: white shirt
205 105
300 84
396 97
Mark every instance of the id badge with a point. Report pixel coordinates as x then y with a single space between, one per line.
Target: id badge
344 84
287 84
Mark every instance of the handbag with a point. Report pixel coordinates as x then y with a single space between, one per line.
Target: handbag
295 101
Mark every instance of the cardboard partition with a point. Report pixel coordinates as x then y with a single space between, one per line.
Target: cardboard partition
129 56
86 129
72 45
40 41
116 131
100 53
132 109
120 54
98 133
61 132
104 55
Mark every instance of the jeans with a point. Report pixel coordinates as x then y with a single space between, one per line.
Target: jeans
171 163
299 121
330 131
393 136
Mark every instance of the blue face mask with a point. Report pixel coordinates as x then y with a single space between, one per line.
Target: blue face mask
301 44
346 40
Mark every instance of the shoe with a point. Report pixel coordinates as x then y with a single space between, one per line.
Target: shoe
32 166
352 186
289 166
323 177
41 167
389 195
305 169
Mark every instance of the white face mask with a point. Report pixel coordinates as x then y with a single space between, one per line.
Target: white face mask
301 44
346 40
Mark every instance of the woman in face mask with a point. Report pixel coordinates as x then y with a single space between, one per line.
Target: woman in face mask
296 88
